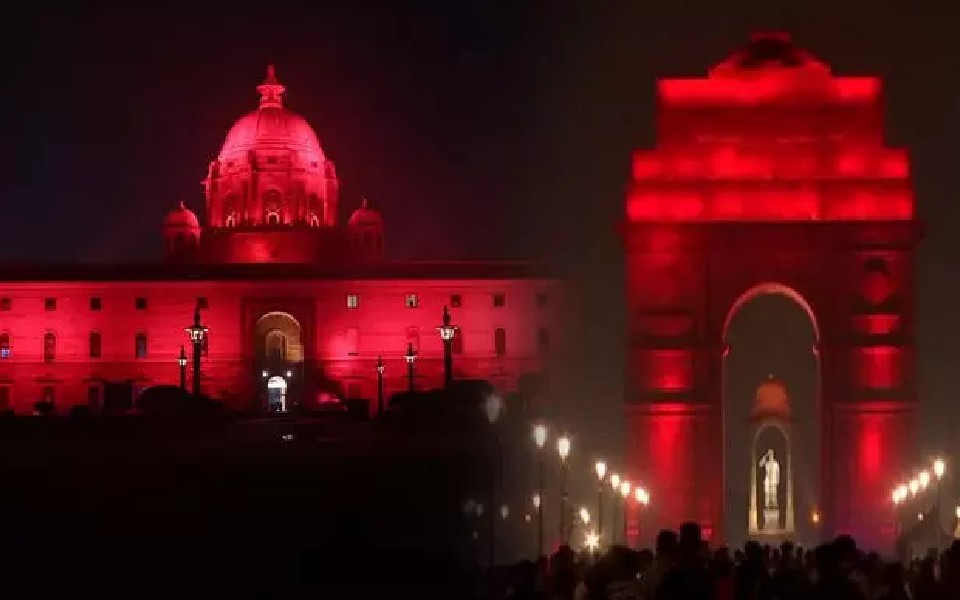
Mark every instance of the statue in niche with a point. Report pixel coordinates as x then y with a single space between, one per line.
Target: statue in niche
771 479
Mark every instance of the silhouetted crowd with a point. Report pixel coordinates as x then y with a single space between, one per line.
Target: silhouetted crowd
681 566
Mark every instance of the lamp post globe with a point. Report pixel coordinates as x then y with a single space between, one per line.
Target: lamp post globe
380 369
939 468
182 363
197 333
540 435
447 332
563 449
600 468
411 358
492 407
540 440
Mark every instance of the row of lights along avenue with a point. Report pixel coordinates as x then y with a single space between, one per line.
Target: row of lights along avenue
622 492
911 496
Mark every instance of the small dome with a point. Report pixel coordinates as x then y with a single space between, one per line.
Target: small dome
365 217
771 400
181 217
271 127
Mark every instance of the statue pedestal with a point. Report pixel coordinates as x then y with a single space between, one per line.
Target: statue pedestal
771 520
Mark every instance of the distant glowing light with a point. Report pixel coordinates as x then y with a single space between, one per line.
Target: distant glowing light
591 540
563 447
924 479
939 468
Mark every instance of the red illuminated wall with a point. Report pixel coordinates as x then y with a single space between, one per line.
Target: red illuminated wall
770 172
343 343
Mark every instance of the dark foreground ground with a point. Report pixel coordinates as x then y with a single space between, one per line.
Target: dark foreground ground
342 511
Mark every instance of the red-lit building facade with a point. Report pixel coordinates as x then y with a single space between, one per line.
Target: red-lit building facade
770 176
292 296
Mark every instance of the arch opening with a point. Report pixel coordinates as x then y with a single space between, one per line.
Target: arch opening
279 357
771 332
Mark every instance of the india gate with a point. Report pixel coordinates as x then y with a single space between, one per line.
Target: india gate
770 175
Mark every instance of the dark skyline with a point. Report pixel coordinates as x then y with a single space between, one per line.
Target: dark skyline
481 129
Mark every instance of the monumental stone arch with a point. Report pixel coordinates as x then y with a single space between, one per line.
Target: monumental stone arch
770 175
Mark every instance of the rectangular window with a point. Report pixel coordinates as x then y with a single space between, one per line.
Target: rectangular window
202 303
95 303
4 397
95 344
500 342
5 303
353 341
499 300
49 304
4 345
141 345
140 303
455 301
542 299
49 347
543 341
353 301
412 301
93 396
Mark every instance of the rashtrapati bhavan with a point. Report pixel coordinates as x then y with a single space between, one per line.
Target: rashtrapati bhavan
300 307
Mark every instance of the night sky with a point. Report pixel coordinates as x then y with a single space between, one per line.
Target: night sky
480 129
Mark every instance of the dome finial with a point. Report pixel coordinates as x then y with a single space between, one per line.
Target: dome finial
271 90
364 204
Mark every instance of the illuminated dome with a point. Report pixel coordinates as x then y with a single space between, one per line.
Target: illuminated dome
271 127
181 217
769 52
270 173
771 400
365 216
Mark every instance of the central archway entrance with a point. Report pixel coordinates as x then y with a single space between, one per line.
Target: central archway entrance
279 360
277 394
770 341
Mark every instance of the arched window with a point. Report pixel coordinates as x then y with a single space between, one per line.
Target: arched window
140 345
49 346
500 341
4 345
95 344
273 218
314 220
230 221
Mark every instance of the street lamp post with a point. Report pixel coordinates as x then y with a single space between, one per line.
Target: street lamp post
625 493
614 527
380 369
537 502
197 333
447 333
563 449
939 468
492 407
600 468
182 363
540 439
643 500
411 358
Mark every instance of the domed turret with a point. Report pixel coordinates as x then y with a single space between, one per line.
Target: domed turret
771 400
181 233
365 227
